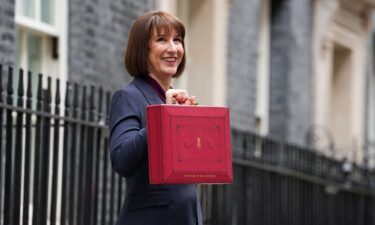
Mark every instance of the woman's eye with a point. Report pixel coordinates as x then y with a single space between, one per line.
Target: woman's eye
160 39
177 40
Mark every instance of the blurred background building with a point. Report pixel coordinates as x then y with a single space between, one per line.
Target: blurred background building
300 71
298 76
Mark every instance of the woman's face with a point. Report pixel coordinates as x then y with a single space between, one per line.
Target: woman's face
165 53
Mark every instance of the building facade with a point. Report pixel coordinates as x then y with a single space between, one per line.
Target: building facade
295 70
340 55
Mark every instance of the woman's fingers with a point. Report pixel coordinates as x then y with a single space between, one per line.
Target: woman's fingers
179 97
193 100
176 94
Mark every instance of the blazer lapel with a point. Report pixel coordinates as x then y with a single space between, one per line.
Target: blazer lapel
148 92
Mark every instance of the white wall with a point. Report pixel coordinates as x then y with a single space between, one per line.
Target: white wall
206 24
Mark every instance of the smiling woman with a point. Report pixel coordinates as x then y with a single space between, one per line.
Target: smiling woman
154 55
141 34
166 53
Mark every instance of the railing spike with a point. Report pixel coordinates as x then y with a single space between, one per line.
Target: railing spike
20 83
92 98
67 94
20 89
1 78
40 87
75 100
100 100
84 103
10 81
57 93
29 91
108 99
92 113
48 95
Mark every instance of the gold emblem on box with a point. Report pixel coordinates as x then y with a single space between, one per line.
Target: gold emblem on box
199 143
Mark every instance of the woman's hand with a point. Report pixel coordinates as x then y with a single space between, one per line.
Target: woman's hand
179 97
191 101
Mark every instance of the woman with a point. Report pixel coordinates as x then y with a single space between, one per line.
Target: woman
154 55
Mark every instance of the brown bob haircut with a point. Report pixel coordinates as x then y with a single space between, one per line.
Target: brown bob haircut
137 51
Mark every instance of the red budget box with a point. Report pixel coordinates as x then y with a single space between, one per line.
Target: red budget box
189 144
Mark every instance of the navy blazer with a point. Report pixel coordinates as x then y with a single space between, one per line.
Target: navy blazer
144 204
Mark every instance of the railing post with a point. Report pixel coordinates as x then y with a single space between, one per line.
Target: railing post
9 185
73 198
105 173
98 159
18 152
27 168
64 214
90 152
38 159
45 156
82 151
1 144
55 150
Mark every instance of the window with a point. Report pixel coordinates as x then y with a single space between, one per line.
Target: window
36 53
340 116
38 10
42 37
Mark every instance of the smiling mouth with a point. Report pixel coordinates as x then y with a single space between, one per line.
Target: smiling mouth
170 59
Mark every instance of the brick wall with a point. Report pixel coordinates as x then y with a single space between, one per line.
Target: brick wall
300 102
290 106
242 62
280 30
290 67
7 32
98 32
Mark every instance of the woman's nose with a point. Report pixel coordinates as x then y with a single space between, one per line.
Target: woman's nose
171 47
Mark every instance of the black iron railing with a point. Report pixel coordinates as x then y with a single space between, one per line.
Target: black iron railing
278 183
54 168
54 164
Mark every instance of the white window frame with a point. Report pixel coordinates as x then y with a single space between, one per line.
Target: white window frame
58 30
36 23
